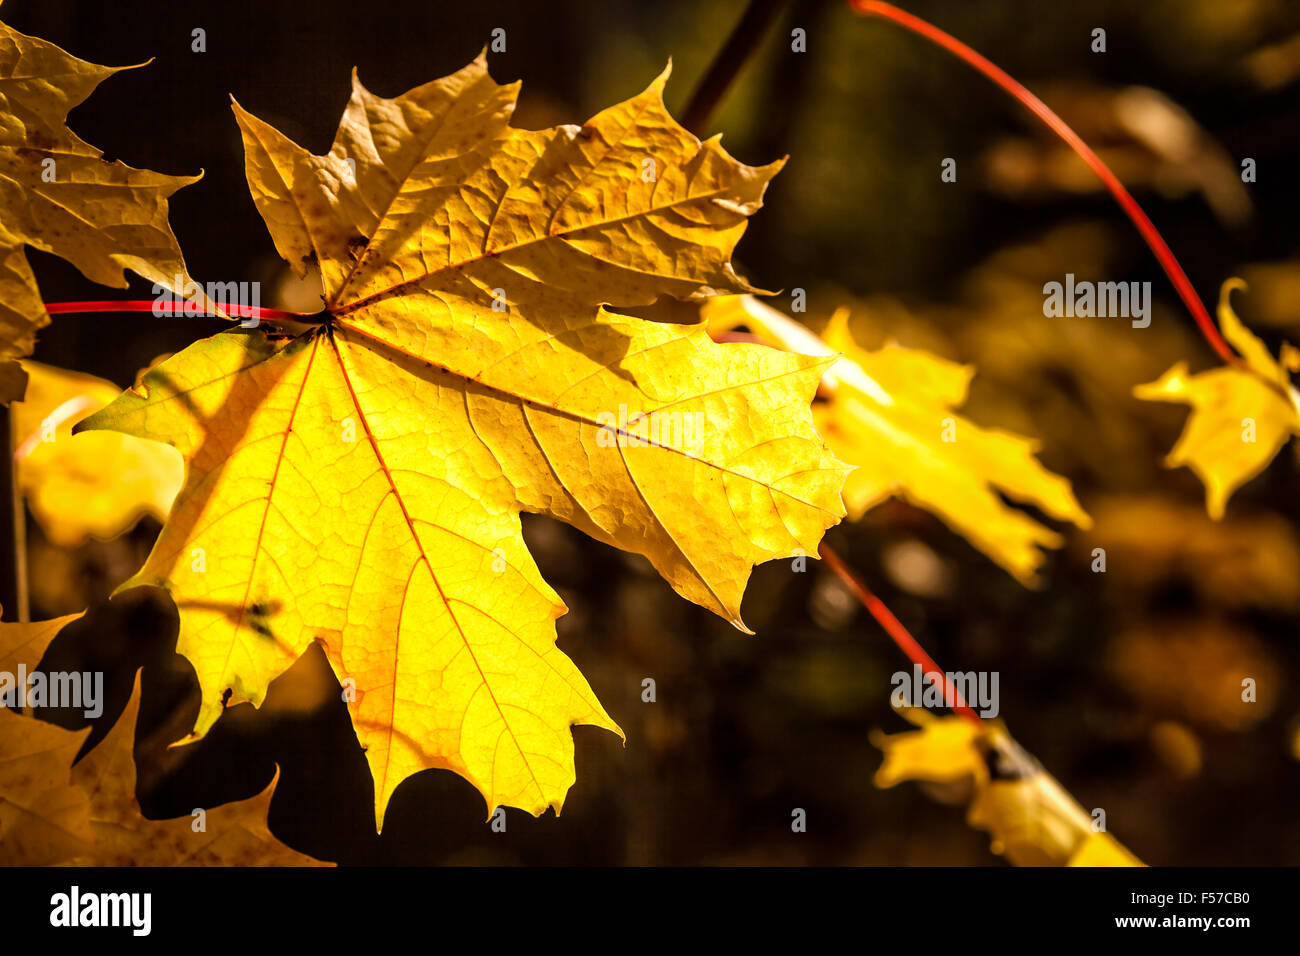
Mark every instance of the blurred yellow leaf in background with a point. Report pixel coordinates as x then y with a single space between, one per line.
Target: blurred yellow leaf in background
92 484
942 751
1032 819
1241 415
890 413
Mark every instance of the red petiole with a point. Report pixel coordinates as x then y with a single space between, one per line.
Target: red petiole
176 307
897 632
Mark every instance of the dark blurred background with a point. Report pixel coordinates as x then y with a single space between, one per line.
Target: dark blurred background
1125 684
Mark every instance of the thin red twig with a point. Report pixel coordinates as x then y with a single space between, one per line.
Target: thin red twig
1168 261
175 307
897 632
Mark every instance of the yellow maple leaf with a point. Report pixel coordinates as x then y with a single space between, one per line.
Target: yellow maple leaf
1032 819
58 195
96 483
53 811
942 751
890 413
44 819
1035 822
360 484
233 834
1241 414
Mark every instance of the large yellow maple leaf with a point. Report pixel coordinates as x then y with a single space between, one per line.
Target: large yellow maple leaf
53 810
58 195
891 413
1241 415
360 483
